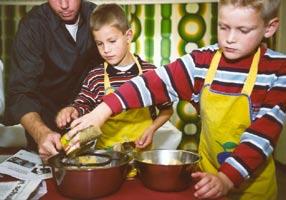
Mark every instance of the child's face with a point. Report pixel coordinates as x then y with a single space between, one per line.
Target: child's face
240 31
113 45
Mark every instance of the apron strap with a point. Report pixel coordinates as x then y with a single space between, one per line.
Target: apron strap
213 67
249 83
107 86
250 80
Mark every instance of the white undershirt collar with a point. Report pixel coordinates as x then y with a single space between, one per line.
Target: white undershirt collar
72 28
124 68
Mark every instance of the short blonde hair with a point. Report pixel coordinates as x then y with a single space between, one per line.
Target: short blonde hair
269 9
109 14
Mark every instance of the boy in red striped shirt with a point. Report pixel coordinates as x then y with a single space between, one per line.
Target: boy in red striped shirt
239 89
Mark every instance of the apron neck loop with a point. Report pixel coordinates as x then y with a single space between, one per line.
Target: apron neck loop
107 86
249 83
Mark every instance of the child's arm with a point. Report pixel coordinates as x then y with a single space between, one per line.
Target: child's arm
147 137
79 107
157 84
85 101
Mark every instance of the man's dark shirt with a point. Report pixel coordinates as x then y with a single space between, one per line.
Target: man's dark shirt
48 66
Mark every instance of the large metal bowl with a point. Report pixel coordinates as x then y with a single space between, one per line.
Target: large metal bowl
89 182
166 170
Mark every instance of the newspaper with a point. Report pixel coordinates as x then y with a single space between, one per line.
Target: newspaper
18 190
25 165
41 191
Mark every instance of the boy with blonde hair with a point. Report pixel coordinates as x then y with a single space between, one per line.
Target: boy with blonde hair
239 89
113 36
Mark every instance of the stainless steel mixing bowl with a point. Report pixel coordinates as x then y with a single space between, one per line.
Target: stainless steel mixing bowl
166 170
86 181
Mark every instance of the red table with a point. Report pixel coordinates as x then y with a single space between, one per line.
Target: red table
130 190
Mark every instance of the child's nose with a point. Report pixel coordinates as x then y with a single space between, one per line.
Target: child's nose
231 37
106 48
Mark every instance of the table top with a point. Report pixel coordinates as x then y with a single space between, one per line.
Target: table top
130 190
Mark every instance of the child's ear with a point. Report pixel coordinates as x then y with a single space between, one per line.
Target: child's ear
271 27
129 34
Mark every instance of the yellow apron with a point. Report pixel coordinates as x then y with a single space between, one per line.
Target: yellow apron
224 118
126 126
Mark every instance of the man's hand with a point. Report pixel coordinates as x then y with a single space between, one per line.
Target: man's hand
49 144
48 141
211 186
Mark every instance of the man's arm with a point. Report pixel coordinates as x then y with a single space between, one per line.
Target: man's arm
23 103
48 141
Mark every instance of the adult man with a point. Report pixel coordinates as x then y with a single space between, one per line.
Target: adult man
50 55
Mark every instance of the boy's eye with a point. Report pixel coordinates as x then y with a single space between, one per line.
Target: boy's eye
112 41
244 31
98 44
222 27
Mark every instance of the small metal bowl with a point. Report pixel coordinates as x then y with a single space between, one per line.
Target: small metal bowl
166 170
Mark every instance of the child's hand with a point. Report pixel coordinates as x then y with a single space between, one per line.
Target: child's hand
78 125
145 139
65 116
81 138
96 118
211 186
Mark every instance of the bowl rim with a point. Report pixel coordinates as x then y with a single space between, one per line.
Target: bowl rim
136 155
55 163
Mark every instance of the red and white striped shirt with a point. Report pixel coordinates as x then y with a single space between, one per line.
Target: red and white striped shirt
92 90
